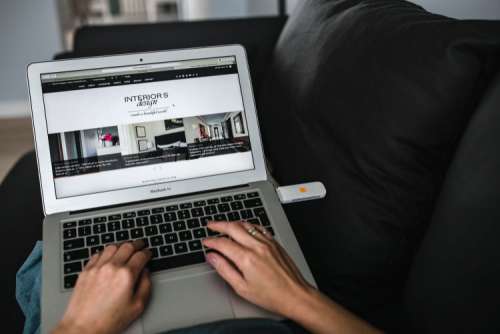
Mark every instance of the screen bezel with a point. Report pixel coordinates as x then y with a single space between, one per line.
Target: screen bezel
52 205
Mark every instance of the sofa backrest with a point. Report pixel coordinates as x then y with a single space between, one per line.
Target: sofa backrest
454 285
257 35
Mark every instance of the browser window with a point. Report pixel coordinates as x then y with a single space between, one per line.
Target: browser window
132 126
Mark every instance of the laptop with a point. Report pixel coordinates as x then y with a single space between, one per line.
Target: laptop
151 146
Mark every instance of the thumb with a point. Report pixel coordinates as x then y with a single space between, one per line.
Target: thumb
142 293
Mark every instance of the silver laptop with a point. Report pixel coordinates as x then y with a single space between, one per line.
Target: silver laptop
151 146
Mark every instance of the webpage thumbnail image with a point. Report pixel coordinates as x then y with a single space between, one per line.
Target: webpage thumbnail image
131 145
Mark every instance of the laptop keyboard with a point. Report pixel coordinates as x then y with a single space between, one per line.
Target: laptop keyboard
173 232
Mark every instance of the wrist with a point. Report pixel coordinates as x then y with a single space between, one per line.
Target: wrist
66 326
306 304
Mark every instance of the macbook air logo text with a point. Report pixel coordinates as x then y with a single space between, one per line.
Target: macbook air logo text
145 100
159 190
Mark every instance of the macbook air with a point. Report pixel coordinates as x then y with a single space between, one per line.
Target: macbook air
151 146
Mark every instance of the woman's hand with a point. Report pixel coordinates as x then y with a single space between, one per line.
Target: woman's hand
260 271
256 266
111 291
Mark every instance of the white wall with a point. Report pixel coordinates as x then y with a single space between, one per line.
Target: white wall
29 31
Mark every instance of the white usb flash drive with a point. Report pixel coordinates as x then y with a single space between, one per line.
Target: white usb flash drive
301 192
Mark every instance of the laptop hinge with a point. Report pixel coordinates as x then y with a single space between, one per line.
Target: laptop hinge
157 199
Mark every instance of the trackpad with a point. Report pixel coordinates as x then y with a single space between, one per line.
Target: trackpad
185 302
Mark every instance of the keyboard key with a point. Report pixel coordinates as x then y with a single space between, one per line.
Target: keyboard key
233 216
240 197
145 212
226 199
84 222
107 238
116 216
254 221
165 228
197 212
186 206
99 228
157 210
69 233
122 236
200 203
252 203
170 216
151 230
80 254
176 261
73 267
93 240
211 210
129 215
156 219
146 242
236 205
154 252
69 224
246 214
142 221
224 207
192 223
172 208
96 249
205 220
128 223
261 213
180 226
157 240
212 233
84 231
195 245
73 244
185 235
200 233
166 250
100 219
70 281
220 218
137 233
171 238
183 214
213 201
253 194
180 248
113 226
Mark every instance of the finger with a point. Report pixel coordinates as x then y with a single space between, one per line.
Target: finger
93 260
126 250
264 232
258 232
226 270
138 261
236 231
142 292
106 254
226 247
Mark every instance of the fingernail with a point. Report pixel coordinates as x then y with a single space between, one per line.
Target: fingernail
211 259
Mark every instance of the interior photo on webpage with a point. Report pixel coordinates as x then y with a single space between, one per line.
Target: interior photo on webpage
139 144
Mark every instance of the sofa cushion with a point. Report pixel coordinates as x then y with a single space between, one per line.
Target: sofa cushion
370 97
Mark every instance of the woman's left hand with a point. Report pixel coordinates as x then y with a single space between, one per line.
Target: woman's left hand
256 266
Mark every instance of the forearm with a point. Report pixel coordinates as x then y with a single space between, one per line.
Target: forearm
318 314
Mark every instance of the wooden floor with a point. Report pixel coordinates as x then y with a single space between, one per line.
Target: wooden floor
16 138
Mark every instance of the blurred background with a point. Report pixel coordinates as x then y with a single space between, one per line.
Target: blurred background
35 30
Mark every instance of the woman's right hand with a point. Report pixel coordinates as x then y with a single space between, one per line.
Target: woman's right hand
256 266
260 271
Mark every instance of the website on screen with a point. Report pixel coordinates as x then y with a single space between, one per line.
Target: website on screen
125 127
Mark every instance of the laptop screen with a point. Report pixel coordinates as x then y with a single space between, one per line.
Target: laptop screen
124 127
